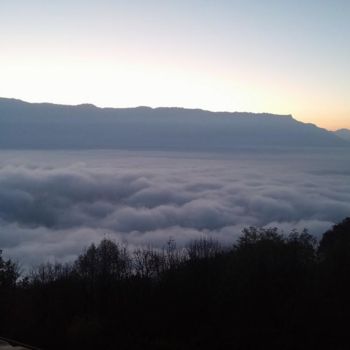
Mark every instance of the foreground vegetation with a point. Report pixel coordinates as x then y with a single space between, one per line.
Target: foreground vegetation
269 290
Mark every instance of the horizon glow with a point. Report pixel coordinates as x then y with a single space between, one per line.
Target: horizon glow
282 57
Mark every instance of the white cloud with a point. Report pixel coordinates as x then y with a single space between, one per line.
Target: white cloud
53 204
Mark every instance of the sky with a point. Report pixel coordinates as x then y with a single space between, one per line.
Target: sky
277 56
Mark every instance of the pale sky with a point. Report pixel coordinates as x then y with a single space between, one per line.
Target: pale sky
277 56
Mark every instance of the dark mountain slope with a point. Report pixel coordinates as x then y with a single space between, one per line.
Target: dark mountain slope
343 134
49 126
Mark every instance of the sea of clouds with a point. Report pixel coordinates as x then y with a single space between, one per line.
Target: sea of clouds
55 203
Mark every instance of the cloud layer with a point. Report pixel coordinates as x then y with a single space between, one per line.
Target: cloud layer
53 204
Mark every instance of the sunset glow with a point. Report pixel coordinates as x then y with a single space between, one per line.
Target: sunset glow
283 57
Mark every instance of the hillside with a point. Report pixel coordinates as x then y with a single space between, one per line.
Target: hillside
49 126
343 134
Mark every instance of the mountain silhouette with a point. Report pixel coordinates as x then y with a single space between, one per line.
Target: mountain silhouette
343 134
49 126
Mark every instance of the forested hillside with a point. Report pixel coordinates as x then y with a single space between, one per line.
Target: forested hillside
269 290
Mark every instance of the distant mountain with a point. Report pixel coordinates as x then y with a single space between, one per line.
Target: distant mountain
48 126
343 134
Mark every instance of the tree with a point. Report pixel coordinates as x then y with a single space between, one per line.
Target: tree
203 248
108 261
335 243
9 273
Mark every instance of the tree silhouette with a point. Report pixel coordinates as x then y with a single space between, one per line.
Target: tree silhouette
269 290
9 273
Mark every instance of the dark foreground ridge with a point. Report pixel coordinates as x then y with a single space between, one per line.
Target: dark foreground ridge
9 344
268 291
48 126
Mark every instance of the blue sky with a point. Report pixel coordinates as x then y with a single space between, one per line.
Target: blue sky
274 56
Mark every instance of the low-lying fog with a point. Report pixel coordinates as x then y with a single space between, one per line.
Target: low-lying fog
55 203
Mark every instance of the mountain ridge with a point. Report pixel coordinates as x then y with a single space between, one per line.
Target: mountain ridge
343 134
175 108
54 126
